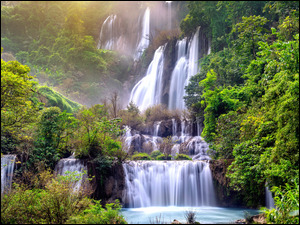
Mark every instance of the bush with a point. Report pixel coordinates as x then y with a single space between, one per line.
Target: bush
155 153
95 214
287 205
182 157
157 113
164 157
190 217
141 156
53 205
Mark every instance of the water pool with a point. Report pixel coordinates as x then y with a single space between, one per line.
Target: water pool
204 214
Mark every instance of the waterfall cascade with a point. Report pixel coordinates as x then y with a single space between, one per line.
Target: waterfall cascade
144 40
147 92
107 39
185 67
7 169
179 75
269 199
181 133
168 183
72 165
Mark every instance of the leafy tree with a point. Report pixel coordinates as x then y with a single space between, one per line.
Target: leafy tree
17 88
53 137
250 32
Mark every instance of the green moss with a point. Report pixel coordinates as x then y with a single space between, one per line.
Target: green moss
155 153
182 157
56 99
141 156
163 157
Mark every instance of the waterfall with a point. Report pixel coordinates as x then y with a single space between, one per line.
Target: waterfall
269 199
7 169
168 183
128 138
178 77
184 135
147 91
144 41
198 147
169 15
193 56
107 38
156 128
174 127
72 165
184 69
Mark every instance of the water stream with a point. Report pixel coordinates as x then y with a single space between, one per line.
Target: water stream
147 91
72 165
168 183
7 169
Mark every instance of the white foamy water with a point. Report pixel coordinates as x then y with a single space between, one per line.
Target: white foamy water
168 183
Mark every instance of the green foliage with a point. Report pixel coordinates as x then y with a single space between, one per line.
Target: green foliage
17 88
227 134
166 146
163 157
140 156
96 133
131 116
53 205
250 32
53 134
96 214
287 205
218 101
56 99
249 91
157 113
155 153
182 157
60 37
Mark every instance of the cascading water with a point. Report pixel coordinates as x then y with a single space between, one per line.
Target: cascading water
269 199
178 78
193 56
107 37
144 41
128 138
168 183
184 69
147 92
174 127
72 165
7 169
169 15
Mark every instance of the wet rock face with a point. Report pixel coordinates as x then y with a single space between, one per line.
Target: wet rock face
166 128
226 195
112 185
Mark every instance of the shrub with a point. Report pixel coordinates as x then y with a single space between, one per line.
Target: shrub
190 217
55 204
148 147
155 153
157 113
95 214
164 157
287 205
166 146
141 156
182 157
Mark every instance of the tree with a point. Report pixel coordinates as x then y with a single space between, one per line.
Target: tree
52 137
251 31
17 88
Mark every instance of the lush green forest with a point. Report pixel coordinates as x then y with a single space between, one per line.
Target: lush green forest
247 93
